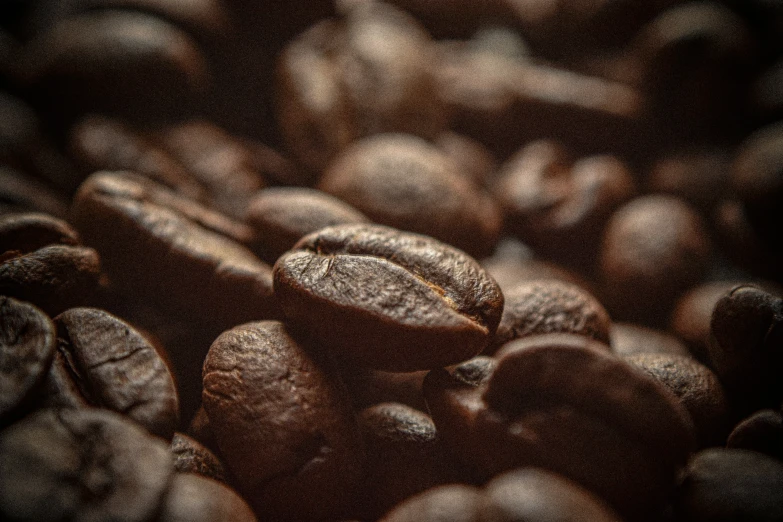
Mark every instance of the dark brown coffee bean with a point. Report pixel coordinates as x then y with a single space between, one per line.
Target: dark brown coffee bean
27 341
191 457
86 465
194 498
221 163
404 182
28 232
692 314
22 193
654 248
368 72
550 306
762 432
537 495
116 368
54 278
282 422
387 299
404 457
280 216
629 339
101 143
475 161
747 355
451 503
697 388
557 206
699 176
731 484
557 402
116 62
159 253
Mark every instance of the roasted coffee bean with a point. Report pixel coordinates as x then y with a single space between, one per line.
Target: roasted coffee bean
54 278
404 182
22 193
558 402
27 341
762 432
451 503
404 457
550 306
281 216
699 176
653 249
283 423
194 498
475 161
387 299
30 231
747 326
116 62
541 496
367 72
557 206
192 457
115 367
692 314
731 484
102 143
629 339
157 252
221 163
697 388
85 465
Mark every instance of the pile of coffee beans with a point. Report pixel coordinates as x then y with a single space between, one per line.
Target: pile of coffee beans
391 260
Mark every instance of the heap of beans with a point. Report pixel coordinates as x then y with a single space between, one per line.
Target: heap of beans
407 261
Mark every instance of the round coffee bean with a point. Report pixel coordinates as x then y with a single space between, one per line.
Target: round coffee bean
762 432
86 465
405 182
629 339
697 388
116 368
30 231
159 253
731 484
452 503
541 307
281 216
282 422
194 498
22 193
27 341
388 299
191 457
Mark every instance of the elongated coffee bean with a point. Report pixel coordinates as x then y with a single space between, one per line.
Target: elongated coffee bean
388 299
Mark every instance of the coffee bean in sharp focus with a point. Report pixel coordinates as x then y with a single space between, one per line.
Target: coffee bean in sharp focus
190 456
283 422
86 464
388 299
27 341
115 367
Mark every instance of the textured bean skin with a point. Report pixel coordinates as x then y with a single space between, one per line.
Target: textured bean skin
282 422
388 299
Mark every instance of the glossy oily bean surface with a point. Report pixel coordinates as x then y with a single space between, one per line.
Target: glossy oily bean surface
388 299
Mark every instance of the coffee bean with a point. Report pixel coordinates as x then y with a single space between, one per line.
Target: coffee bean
387 299
367 386
368 72
404 457
746 355
731 484
22 193
628 339
653 249
699 176
28 232
282 422
159 253
85 465
280 216
550 306
475 161
191 457
762 432
404 182
194 498
115 367
451 503
697 388
27 341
